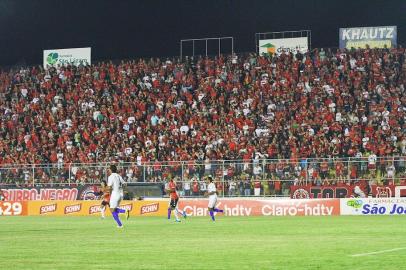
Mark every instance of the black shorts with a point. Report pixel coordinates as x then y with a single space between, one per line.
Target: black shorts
174 203
104 203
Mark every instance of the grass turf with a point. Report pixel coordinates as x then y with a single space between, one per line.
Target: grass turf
198 243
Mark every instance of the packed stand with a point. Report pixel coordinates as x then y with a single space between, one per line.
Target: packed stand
150 114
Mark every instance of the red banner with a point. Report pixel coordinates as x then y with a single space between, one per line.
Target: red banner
344 191
270 207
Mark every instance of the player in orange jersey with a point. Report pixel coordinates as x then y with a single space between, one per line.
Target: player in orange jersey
173 205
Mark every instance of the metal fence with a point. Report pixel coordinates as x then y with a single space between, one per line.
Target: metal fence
317 171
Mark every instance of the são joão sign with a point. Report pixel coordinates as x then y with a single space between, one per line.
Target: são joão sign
374 37
373 206
63 57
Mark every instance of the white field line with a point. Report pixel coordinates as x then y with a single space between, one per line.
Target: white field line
377 252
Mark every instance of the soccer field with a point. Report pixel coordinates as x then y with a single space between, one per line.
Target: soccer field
198 243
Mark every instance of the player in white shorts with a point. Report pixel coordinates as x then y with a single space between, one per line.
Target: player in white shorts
116 182
212 193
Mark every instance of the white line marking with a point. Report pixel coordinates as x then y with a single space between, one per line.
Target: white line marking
377 252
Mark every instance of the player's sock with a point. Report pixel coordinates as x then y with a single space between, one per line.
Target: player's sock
218 210
116 218
169 213
176 214
120 211
102 211
212 215
182 213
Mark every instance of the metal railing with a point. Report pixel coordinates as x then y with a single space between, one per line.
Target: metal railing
303 171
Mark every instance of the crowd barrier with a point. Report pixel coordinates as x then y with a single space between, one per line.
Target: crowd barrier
231 207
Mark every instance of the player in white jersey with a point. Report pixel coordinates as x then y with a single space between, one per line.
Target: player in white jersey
212 193
116 182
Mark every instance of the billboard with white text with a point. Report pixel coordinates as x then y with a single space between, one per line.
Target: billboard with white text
64 57
373 206
374 37
283 45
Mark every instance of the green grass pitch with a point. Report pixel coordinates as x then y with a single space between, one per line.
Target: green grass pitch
197 243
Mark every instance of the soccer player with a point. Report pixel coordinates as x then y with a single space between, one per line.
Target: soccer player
115 183
173 205
105 195
212 193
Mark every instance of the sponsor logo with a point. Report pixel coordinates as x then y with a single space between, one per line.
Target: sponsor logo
73 208
126 207
300 194
94 209
199 211
270 48
318 209
374 37
52 58
368 33
47 208
357 204
149 208
387 208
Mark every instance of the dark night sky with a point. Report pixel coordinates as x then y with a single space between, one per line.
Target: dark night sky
128 29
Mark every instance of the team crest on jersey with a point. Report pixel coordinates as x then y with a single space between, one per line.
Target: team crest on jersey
300 194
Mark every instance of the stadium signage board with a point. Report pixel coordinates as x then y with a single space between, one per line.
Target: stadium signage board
373 206
13 208
265 207
63 57
85 208
283 45
374 37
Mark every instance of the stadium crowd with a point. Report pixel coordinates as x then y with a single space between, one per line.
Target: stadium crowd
297 107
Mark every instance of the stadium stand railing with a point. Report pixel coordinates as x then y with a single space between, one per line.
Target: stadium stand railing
258 177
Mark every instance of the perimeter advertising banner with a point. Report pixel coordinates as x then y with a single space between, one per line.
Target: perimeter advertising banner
92 208
287 45
374 37
63 57
13 208
195 207
231 207
265 207
373 206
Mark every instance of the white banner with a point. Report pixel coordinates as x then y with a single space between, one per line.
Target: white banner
63 57
287 45
373 206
